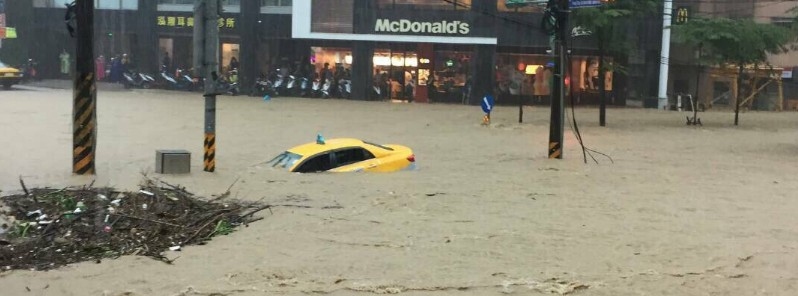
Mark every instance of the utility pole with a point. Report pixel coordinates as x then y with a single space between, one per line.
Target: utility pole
84 107
558 10
666 53
206 64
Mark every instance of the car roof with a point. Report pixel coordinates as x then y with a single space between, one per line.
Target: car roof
329 144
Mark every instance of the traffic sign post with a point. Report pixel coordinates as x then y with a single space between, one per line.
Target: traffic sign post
487 106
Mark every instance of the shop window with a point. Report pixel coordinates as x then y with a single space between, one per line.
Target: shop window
117 4
531 75
523 74
230 56
276 6
179 2
332 16
49 3
501 5
396 73
276 2
335 58
589 75
191 2
426 4
451 76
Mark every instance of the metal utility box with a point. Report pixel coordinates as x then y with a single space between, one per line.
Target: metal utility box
172 162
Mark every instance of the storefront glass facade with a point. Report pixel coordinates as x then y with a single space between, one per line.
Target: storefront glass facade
424 51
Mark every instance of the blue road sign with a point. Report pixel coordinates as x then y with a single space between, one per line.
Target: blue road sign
584 3
487 104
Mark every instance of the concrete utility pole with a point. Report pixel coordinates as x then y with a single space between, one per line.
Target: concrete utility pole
559 8
206 64
84 110
666 54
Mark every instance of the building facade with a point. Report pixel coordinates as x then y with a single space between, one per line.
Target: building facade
689 76
447 50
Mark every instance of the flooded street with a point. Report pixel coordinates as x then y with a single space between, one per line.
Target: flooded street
681 211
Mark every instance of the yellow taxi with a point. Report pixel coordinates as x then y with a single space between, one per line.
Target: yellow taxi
9 76
345 155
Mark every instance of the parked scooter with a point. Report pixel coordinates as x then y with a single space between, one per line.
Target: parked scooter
325 88
168 81
304 87
344 88
229 84
184 76
138 80
278 86
263 86
29 71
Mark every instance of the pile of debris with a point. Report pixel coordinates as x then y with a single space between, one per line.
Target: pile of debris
46 228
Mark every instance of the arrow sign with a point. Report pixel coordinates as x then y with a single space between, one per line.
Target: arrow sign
585 3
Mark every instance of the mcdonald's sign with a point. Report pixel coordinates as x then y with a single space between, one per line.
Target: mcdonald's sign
682 15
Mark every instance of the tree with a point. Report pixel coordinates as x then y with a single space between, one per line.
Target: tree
731 42
608 24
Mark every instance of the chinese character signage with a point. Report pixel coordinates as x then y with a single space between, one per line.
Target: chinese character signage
188 22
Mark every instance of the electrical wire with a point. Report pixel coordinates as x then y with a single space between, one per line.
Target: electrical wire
575 125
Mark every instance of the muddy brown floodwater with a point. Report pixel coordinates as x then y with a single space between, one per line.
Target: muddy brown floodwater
682 211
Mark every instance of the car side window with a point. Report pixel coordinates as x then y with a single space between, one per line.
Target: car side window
351 155
318 163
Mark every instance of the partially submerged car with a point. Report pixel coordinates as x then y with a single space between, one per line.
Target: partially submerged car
345 155
9 76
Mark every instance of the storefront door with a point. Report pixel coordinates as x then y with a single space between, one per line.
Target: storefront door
397 72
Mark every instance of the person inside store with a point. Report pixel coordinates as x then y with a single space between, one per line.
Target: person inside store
410 88
325 73
233 63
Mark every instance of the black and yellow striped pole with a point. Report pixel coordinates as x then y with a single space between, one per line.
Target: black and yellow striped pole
556 20
84 112
206 63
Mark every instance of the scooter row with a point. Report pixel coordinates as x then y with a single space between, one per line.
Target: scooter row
182 80
294 86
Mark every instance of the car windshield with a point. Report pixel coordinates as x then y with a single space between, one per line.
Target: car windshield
285 160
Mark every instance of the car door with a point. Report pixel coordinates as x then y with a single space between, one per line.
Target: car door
353 159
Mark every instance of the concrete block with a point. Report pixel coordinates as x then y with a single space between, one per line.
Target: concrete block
172 162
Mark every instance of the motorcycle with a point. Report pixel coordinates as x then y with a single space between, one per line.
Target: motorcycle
304 87
262 87
325 89
289 86
344 88
192 84
177 82
279 85
229 85
138 80
29 71
316 88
